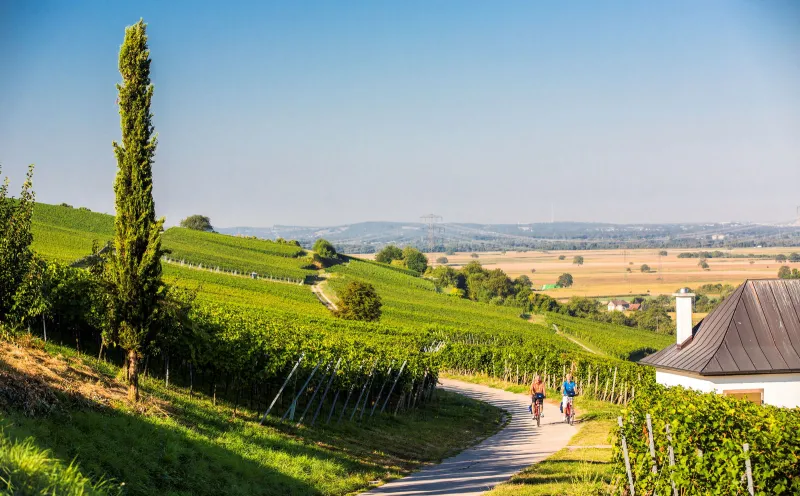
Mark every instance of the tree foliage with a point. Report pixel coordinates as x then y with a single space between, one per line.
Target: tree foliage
359 301
388 254
785 272
133 271
415 259
562 257
15 242
325 249
577 260
645 268
780 257
565 280
198 223
442 260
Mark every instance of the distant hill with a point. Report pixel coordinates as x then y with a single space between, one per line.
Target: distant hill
367 237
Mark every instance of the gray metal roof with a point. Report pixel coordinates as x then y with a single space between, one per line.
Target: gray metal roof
756 330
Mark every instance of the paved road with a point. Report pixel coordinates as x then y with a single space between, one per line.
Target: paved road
497 458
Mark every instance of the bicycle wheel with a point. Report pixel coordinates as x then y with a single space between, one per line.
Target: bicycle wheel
538 419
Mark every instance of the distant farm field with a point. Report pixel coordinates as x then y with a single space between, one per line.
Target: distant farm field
604 273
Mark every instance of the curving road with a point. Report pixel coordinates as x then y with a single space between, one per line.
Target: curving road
496 459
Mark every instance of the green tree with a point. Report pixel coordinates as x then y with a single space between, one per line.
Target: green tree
663 253
794 257
389 253
703 264
645 268
415 259
785 272
450 252
565 280
442 260
133 271
359 301
562 257
474 255
577 260
15 242
198 223
780 258
325 249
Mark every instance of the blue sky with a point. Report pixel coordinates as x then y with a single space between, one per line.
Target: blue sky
318 113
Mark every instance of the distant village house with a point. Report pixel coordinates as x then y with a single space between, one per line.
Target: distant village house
618 305
748 347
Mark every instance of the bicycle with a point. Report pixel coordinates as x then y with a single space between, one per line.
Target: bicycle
537 410
569 411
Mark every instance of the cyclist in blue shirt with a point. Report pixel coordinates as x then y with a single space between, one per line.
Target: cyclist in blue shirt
568 389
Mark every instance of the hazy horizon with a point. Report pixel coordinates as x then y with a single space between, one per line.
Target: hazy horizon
317 114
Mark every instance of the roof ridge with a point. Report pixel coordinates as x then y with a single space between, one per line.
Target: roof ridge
725 334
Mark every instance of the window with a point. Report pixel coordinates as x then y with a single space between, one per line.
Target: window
754 395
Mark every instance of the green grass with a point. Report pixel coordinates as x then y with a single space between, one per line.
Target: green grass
190 446
26 469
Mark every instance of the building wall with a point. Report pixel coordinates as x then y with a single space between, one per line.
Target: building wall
779 389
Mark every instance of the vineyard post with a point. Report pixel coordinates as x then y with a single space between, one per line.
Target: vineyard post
333 407
605 390
410 394
613 384
366 397
347 400
166 370
625 455
44 327
358 402
516 379
652 444
327 387
671 460
419 389
276 396
596 380
391 390
293 404
314 396
748 469
400 402
380 391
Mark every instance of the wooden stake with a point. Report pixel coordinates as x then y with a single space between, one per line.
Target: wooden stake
652 444
625 455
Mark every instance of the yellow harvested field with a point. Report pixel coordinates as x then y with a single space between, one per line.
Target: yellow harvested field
603 272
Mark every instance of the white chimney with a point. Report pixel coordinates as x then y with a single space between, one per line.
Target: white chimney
683 310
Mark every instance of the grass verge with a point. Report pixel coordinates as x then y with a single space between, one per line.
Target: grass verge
183 445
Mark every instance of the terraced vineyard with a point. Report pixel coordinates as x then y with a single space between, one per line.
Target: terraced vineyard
243 255
66 234
622 342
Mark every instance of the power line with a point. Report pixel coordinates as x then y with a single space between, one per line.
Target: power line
431 220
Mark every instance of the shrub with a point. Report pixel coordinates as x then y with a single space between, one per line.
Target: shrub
442 260
325 249
389 254
359 301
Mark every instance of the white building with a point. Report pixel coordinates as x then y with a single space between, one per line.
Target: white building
618 305
749 346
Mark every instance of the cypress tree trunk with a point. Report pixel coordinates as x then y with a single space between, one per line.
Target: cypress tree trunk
133 376
133 272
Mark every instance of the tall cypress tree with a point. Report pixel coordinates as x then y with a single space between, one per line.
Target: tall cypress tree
134 270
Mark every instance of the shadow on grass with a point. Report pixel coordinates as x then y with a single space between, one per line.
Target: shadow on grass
155 455
194 447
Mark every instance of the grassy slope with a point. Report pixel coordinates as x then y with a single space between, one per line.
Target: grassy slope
183 445
240 254
66 234
615 340
410 300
